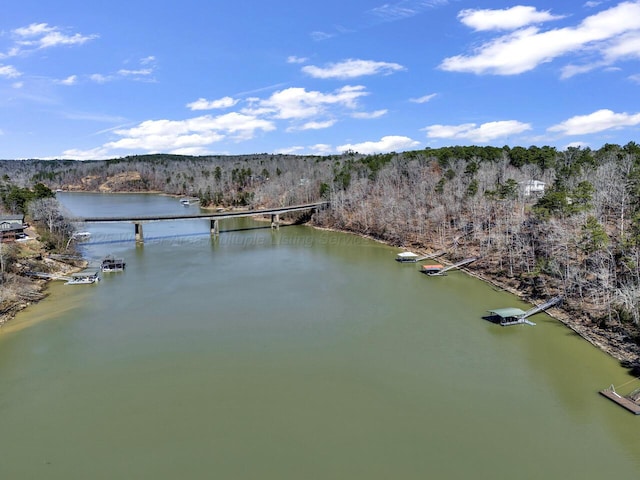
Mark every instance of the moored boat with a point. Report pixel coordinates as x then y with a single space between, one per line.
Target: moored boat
112 264
85 277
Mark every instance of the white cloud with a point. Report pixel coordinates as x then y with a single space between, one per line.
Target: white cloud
506 19
204 104
99 78
321 148
483 133
369 115
298 103
191 136
9 71
595 122
98 153
317 125
575 145
135 73
294 59
70 80
390 143
611 34
319 36
290 150
635 78
41 35
143 74
625 46
352 68
169 135
424 98
390 12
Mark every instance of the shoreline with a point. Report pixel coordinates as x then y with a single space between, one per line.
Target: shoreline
611 343
614 343
33 290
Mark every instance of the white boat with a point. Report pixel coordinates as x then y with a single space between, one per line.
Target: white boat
82 281
84 277
189 201
82 235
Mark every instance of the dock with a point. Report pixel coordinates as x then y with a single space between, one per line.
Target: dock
624 402
410 257
437 270
515 316
48 276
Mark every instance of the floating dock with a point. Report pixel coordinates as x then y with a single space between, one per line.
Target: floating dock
624 402
515 316
433 270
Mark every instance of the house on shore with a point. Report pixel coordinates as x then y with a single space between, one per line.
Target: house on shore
11 228
532 187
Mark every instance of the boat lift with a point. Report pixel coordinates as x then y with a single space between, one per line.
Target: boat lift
437 270
515 316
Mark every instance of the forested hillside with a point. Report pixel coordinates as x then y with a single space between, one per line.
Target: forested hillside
579 237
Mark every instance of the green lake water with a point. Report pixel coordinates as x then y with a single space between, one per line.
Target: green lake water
293 354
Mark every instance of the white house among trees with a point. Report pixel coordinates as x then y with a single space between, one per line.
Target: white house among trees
532 187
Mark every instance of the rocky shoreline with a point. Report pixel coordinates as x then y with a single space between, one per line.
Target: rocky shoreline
21 290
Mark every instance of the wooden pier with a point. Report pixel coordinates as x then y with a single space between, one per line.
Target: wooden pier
624 402
48 276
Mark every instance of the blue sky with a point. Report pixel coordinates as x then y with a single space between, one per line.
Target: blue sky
92 80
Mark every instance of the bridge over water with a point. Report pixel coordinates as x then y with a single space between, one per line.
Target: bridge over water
213 217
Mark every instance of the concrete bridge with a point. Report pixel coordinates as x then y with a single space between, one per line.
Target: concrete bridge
213 217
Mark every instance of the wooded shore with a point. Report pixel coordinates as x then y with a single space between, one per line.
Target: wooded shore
542 222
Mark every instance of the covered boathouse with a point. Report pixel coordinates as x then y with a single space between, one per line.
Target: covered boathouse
508 316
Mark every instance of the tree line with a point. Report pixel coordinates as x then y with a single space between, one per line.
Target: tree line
579 237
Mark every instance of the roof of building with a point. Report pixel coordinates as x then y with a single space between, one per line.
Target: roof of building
407 255
432 267
9 217
507 312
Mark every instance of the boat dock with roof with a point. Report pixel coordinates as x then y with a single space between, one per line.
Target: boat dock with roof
515 316
112 264
433 270
410 257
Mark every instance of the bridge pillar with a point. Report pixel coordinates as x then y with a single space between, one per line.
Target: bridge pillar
139 235
275 220
215 227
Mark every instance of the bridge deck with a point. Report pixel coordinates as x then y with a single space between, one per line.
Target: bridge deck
211 216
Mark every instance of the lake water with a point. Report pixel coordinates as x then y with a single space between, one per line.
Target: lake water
293 354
